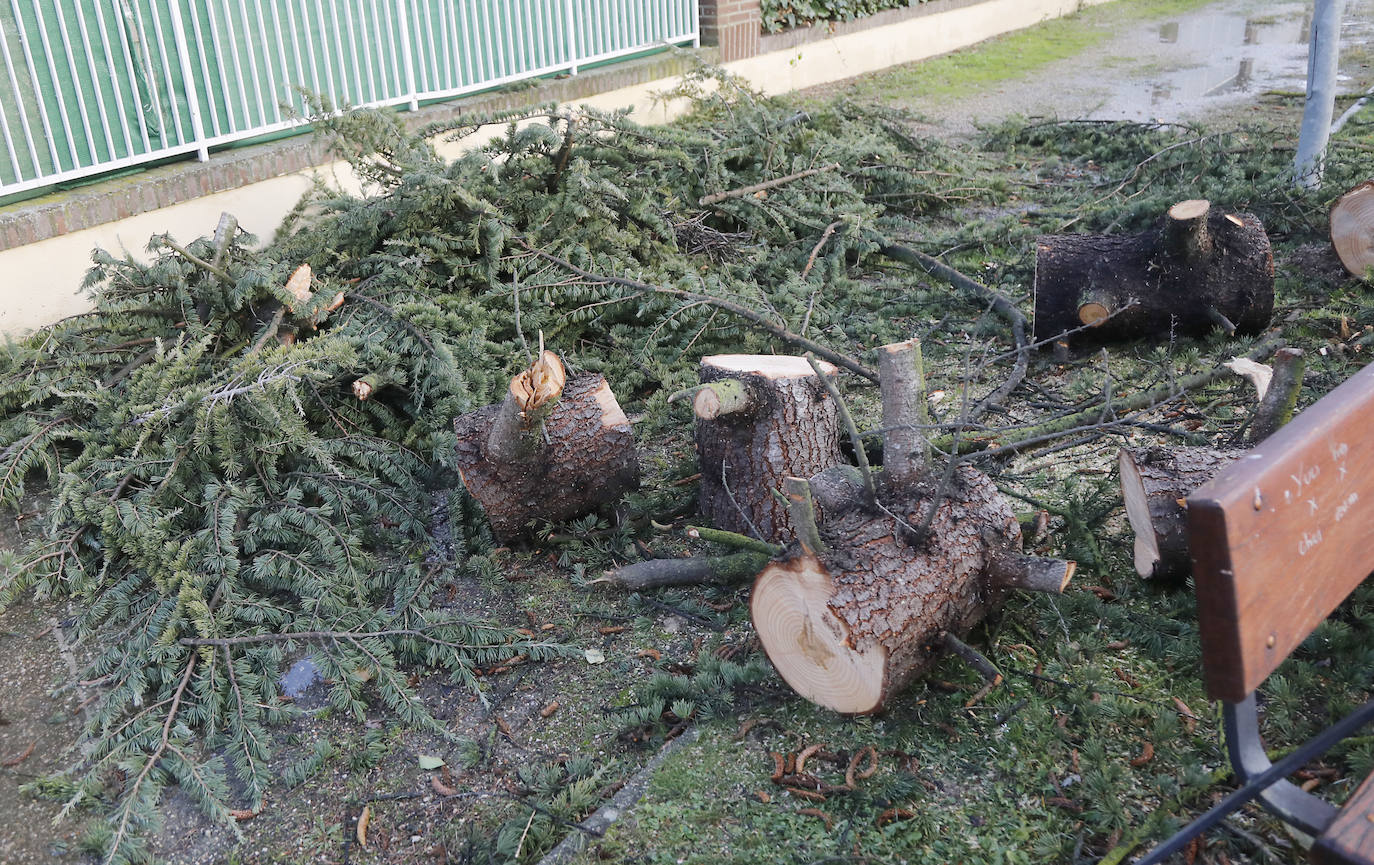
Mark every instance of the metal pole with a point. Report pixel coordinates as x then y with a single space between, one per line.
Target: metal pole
1315 747
407 60
570 27
1323 57
192 96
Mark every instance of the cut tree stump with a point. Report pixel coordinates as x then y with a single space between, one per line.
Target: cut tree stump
866 598
1352 228
554 449
1156 481
760 418
1198 268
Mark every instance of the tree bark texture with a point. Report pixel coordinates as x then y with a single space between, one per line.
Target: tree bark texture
1197 268
786 424
563 457
1155 482
850 624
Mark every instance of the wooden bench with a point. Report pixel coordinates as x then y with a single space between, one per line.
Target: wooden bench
1278 539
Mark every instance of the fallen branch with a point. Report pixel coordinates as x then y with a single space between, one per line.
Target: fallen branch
996 300
717 197
692 571
1095 417
743 312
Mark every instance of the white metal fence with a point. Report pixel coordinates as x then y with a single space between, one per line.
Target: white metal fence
91 86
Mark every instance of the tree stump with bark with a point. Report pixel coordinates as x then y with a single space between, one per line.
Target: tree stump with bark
1198 268
1156 481
760 418
554 449
863 601
1352 228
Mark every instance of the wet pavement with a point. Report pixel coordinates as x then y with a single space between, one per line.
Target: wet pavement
1219 60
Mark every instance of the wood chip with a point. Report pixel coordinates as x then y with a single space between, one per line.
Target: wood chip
549 709
364 819
611 629
1311 784
1147 754
853 773
1103 593
504 727
1126 677
1189 719
778 765
242 814
1118 645
440 787
809 795
763 796
806 755
11 762
651 654
1066 804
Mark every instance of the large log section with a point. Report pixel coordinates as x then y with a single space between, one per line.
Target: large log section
863 602
1155 481
760 418
1198 268
1352 228
551 451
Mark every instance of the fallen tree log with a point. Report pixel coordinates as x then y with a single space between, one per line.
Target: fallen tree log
1198 268
1352 228
554 449
760 418
1156 481
864 600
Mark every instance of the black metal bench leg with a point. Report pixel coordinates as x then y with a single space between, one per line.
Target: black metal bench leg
1244 746
1247 755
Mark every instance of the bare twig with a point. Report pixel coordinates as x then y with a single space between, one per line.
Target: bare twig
717 197
743 312
859 456
999 303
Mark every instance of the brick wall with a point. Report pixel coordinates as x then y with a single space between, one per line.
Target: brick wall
735 26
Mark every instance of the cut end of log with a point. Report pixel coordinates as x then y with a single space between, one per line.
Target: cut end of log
540 384
809 645
1092 313
721 397
612 415
1138 514
1194 208
1030 573
1352 228
298 286
766 365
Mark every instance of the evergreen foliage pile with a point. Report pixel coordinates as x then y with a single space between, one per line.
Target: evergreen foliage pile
222 497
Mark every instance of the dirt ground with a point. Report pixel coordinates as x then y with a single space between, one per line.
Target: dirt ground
1232 58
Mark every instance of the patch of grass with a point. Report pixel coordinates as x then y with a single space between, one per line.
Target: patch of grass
1013 55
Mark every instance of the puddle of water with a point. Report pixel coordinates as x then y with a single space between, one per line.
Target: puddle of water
298 680
1223 54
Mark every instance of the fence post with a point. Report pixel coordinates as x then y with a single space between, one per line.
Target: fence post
189 83
406 59
570 27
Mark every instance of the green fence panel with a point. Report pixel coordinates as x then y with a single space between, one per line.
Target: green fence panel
88 86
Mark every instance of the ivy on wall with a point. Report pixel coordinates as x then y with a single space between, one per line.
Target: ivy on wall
786 14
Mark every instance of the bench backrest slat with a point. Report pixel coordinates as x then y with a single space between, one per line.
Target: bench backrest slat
1282 535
